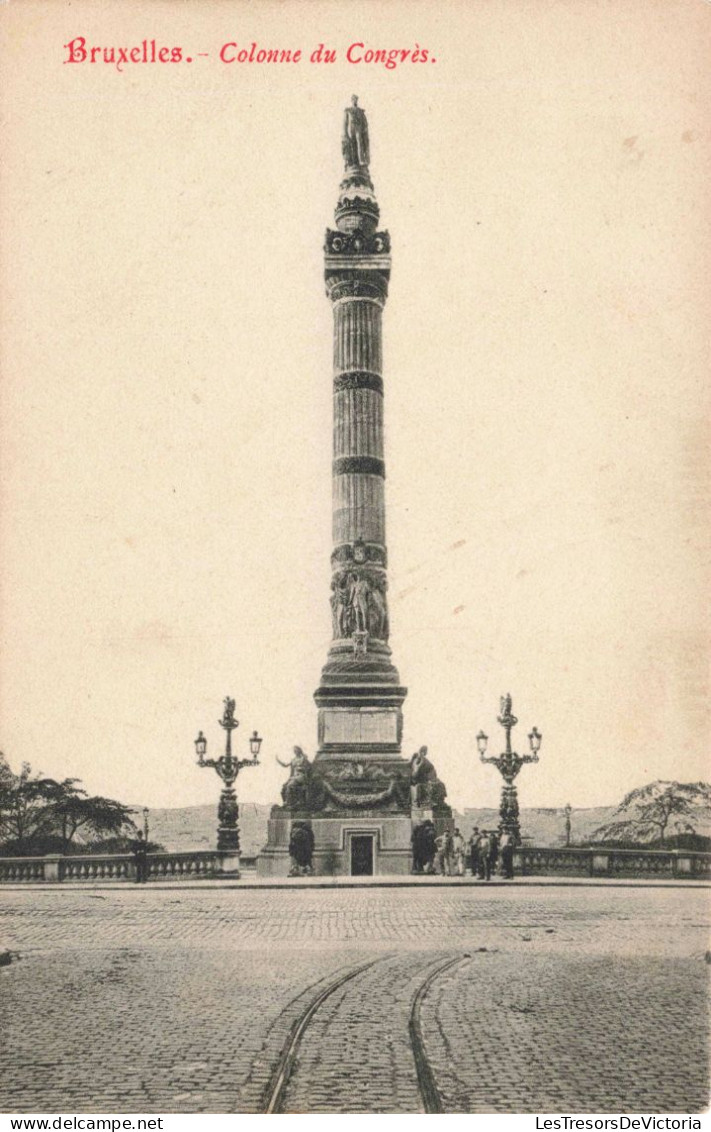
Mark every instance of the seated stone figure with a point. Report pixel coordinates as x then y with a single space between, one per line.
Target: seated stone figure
425 787
295 790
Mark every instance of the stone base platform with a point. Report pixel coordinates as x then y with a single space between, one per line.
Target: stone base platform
348 845
344 845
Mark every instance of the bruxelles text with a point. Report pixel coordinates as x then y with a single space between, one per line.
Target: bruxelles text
78 50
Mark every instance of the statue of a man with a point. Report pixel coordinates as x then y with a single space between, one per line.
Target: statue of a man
359 599
356 149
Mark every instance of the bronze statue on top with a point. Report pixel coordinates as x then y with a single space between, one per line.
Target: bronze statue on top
355 144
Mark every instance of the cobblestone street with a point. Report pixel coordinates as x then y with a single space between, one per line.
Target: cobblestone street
566 999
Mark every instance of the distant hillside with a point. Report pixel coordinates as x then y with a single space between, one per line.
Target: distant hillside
195 827
542 827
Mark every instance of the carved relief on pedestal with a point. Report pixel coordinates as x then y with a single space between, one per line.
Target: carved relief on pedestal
359 603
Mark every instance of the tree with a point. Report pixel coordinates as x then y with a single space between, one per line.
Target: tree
95 817
26 802
39 813
6 776
649 811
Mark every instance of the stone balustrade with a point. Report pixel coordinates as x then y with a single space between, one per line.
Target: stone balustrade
199 864
109 866
21 869
205 864
599 862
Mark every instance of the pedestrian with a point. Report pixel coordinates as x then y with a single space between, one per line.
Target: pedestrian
444 853
485 846
506 849
140 856
473 851
417 842
494 850
428 846
459 852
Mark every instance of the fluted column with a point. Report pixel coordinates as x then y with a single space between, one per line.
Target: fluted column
358 464
360 690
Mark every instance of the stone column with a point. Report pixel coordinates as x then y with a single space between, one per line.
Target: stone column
360 696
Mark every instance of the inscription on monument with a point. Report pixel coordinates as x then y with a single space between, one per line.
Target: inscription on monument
360 727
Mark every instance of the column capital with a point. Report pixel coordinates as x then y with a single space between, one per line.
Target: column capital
363 286
358 244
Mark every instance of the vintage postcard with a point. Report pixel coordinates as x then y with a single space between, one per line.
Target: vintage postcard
355 559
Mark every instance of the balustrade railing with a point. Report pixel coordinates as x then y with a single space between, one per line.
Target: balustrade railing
675 864
201 863
19 869
600 862
111 866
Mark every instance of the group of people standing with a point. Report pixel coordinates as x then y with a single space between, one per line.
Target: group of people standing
485 853
491 851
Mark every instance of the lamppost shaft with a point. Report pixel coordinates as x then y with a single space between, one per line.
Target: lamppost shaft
568 811
227 768
509 763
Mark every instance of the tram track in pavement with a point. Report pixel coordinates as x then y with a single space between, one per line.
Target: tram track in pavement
431 1096
288 1068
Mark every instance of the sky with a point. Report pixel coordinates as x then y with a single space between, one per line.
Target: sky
166 396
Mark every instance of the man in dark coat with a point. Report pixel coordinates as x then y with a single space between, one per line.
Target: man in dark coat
506 850
488 851
473 851
429 845
418 862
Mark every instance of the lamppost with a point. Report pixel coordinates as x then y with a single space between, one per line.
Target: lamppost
509 764
146 812
567 811
228 768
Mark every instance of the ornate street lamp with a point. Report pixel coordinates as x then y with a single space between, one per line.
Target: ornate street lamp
146 812
228 768
567 811
509 764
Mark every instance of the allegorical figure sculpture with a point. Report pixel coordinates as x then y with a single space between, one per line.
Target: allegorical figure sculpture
356 149
294 792
360 600
378 615
359 605
425 787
